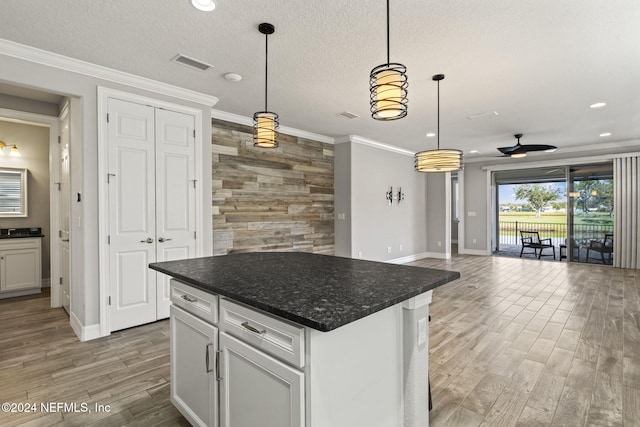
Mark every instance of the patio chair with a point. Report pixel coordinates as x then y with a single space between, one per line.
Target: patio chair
602 247
532 240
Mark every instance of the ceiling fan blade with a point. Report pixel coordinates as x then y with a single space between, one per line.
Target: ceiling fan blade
509 150
538 147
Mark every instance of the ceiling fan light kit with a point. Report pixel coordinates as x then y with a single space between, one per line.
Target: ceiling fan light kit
521 150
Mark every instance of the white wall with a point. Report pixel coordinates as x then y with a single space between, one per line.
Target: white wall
82 89
33 143
439 214
373 226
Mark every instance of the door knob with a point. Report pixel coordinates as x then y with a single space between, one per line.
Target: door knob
162 239
149 240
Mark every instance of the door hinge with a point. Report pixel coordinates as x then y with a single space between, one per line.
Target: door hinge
61 280
109 175
59 233
194 182
194 133
107 117
59 139
195 235
108 239
109 300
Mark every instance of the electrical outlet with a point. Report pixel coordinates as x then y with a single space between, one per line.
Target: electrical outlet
439 243
360 254
400 248
389 249
422 331
474 241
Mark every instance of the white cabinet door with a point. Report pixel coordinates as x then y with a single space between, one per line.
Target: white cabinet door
132 211
19 269
258 390
175 195
193 368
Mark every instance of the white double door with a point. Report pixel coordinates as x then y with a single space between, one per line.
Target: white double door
151 186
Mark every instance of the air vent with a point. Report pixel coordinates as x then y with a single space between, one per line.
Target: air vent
190 62
348 115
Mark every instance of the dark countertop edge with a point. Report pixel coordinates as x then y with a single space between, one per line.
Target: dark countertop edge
5 237
303 321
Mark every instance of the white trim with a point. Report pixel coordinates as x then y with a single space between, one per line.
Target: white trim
372 143
408 258
480 252
103 218
52 123
248 121
559 162
418 301
461 212
438 255
84 333
28 53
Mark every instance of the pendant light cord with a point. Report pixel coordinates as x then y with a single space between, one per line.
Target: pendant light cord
266 68
388 61
438 114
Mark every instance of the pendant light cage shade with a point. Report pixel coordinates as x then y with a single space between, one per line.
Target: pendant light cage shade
388 91
265 129
446 160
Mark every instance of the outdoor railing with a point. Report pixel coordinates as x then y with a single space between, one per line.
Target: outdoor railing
509 231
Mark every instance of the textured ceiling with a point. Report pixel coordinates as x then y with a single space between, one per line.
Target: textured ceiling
539 64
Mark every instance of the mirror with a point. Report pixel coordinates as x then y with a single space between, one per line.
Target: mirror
13 193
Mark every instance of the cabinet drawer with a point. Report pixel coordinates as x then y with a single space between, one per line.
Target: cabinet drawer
274 336
195 301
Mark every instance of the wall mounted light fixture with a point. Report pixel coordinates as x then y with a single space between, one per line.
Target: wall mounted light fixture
388 88
13 152
389 196
265 123
400 195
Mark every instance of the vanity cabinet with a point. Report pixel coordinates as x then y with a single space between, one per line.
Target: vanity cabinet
20 266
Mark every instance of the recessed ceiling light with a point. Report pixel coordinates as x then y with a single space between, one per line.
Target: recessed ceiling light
605 134
204 5
431 135
233 77
598 105
473 151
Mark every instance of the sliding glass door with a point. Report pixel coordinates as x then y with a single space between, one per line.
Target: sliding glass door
590 213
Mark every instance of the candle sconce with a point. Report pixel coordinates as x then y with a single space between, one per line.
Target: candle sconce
389 196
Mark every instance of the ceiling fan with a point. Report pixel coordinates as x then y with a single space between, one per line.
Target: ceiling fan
520 150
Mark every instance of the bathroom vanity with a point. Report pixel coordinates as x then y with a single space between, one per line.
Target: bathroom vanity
298 339
20 261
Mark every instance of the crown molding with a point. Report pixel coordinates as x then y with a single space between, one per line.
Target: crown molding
372 143
39 56
248 121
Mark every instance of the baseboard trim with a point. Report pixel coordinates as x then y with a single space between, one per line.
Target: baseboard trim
84 333
438 255
46 283
408 258
480 252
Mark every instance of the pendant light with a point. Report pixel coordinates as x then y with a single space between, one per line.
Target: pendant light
388 88
265 123
438 160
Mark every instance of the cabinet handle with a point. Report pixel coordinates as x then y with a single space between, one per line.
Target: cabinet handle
218 377
187 298
206 357
246 325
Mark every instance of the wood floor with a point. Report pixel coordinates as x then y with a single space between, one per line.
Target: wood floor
514 342
531 343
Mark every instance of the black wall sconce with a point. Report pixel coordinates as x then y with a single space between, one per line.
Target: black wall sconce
390 196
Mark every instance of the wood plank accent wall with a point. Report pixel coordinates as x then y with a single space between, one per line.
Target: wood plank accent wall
278 199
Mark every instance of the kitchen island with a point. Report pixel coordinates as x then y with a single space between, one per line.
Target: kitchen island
299 339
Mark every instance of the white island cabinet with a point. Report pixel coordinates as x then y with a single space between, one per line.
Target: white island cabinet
300 340
270 372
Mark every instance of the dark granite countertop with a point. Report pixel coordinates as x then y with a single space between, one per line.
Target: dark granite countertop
20 233
319 291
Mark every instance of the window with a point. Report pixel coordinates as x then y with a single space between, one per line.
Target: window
13 193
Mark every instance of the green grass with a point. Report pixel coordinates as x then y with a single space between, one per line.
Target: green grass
591 218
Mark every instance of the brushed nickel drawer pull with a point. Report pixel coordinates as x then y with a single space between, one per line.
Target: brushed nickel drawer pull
246 325
188 298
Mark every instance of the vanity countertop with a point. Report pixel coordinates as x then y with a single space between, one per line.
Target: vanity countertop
20 233
319 291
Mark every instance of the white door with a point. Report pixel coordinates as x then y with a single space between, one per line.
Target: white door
256 389
63 226
194 346
132 209
175 195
